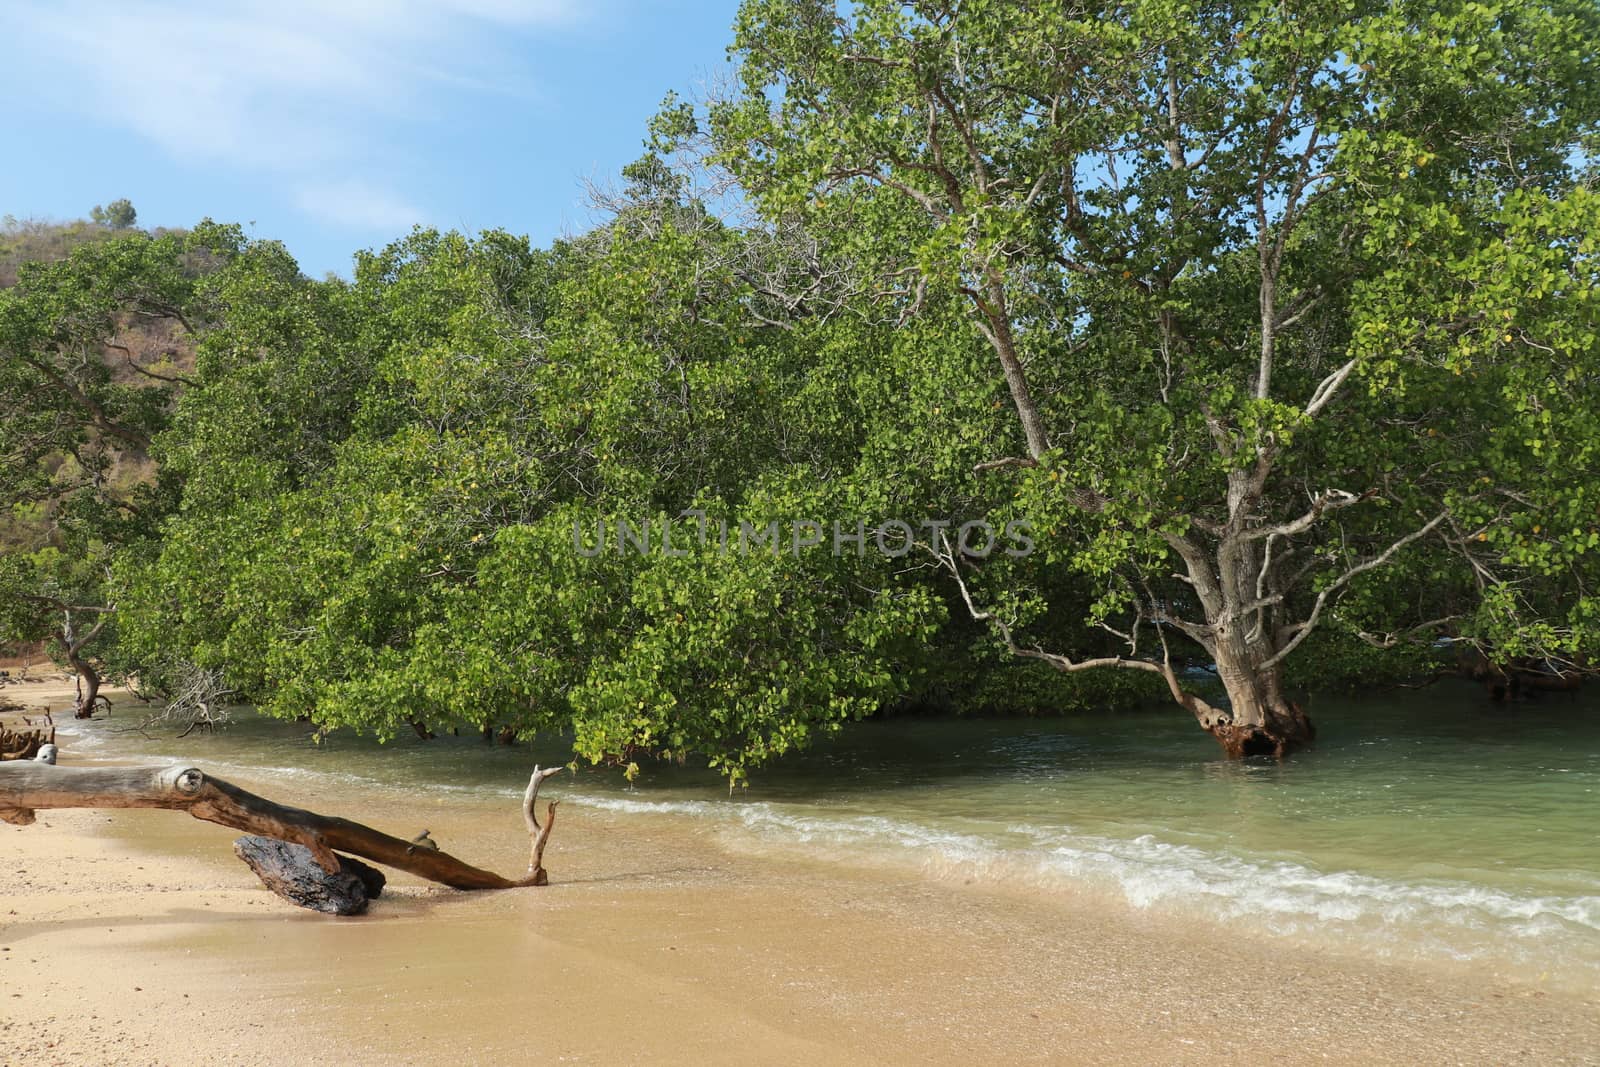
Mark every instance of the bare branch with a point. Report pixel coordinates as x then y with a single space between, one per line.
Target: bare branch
1328 387
1063 663
540 834
1389 640
1323 502
1303 629
1008 461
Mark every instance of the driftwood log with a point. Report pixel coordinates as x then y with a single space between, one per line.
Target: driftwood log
26 787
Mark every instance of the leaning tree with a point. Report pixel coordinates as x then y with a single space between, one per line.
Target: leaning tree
1284 297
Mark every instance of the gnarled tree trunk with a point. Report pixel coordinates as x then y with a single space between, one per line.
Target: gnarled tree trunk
88 685
74 643
1240 590
1259 720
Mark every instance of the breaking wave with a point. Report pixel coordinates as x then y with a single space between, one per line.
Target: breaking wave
1387 918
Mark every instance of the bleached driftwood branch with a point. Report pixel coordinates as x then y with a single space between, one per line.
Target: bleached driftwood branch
26 787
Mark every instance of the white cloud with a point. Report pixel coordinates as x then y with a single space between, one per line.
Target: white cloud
354 204
301 89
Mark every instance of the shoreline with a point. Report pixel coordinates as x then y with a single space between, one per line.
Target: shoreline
137 937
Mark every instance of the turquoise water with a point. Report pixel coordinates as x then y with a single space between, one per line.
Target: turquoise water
1424 824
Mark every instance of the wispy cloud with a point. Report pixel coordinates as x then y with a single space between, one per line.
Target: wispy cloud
355 204
305 90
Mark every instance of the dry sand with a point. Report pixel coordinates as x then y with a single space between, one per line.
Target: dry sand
135 937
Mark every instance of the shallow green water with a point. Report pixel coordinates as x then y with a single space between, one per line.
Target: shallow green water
1424 824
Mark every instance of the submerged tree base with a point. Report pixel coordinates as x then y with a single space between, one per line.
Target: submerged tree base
1284 731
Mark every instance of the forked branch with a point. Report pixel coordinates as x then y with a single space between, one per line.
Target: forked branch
947 559
539 835
1302 630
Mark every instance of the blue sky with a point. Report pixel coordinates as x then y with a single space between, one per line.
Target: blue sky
336 126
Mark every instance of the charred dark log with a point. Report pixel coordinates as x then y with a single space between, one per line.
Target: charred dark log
292 872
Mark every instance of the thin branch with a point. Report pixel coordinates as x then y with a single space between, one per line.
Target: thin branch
1064 663
530 817
1303 629
1323 502
1008 461
1328 387
1389 640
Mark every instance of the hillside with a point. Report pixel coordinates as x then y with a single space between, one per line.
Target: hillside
55 480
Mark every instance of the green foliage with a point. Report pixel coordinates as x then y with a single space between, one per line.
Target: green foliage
1337 661
1115 193
968 682
381 483
359 498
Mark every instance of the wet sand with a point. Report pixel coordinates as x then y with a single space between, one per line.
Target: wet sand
38 691
136 937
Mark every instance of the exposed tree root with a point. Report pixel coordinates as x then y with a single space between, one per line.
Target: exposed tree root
24 744
1284 731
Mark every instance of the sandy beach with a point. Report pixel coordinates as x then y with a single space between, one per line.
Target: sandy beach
137 938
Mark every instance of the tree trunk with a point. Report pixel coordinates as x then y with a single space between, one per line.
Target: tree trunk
89 680
88 677
26 786
1259 720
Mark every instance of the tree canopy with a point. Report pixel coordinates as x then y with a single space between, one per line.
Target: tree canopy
1274 331
1281 299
